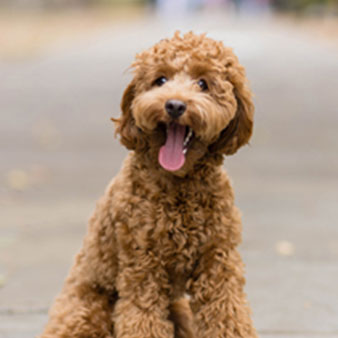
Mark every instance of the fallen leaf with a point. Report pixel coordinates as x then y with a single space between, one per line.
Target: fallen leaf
18 179
285 248
2 281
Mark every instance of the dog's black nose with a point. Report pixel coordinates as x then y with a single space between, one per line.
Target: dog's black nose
175 108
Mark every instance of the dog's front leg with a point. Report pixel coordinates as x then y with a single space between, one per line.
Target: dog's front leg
143 306
84 307
218 300
81 311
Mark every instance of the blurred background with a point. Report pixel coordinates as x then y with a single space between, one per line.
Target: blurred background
63 68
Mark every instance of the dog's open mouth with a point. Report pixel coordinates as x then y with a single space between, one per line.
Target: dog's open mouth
172 154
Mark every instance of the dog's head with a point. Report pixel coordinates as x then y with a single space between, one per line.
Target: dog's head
188 99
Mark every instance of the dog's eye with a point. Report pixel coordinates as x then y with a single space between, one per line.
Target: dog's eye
160 81
203 84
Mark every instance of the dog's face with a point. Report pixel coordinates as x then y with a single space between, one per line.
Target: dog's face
188 98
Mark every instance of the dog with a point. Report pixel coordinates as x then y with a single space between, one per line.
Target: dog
160 257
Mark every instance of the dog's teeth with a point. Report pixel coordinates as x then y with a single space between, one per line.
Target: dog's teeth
187 140
190 133
188 137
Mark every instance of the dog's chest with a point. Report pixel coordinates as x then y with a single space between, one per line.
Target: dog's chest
173 228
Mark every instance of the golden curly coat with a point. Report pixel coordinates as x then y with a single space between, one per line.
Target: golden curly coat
167 226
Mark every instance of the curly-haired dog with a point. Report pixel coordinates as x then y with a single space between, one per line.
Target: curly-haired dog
167 225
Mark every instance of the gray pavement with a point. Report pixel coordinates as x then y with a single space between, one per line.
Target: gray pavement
58 153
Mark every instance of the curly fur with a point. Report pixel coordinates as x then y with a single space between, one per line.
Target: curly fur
156 235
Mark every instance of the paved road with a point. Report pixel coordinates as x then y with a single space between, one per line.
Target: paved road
58 153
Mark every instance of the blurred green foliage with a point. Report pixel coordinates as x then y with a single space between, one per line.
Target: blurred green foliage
321 7
299 6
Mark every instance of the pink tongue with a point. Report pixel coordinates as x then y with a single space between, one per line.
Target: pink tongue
171 155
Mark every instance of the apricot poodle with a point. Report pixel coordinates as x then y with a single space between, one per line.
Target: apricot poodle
160 257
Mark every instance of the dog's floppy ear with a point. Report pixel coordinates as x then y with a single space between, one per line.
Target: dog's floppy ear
125 125
239 130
